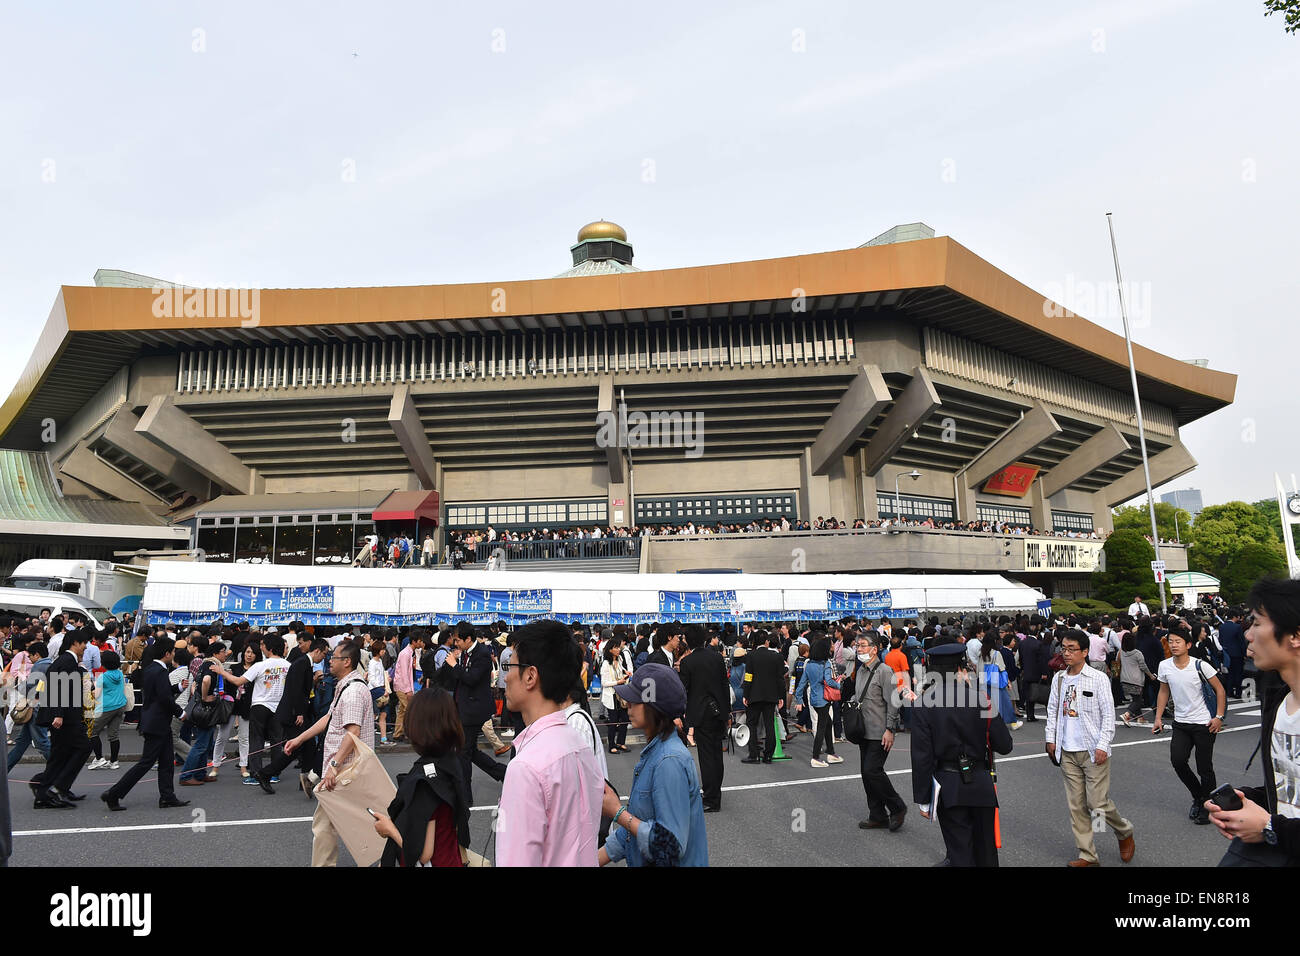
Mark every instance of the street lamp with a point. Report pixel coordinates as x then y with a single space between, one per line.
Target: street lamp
1178 538
913 474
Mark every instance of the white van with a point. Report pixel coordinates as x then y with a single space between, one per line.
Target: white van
29 602
99 582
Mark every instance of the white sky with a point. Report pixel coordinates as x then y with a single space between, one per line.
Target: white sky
1012 127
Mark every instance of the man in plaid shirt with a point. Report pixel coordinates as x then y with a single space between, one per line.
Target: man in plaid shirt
350 713
1081 725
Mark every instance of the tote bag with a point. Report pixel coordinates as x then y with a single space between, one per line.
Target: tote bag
362 783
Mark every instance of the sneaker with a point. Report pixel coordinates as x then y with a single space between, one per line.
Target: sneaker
818 763
1128 721
113 765
275 779
1015 725
249 780
834 758
96 763
212 774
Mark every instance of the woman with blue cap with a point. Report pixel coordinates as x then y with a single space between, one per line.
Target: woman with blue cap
663 822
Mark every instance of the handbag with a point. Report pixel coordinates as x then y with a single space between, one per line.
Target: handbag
1207 691
362 783
855 722
1040 692
1057 663
828 692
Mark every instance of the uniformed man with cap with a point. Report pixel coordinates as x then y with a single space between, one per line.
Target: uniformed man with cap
954 733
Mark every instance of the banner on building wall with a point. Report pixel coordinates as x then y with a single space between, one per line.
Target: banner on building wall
250 599
676 604
1014 480
859 602
479 601
1057 554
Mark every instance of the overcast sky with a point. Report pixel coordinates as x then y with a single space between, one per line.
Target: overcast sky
348 144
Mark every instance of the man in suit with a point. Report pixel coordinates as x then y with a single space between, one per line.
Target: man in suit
156 715
467 674
1233 641
764 688
667 643
708 701
1034 673
953 738
69 742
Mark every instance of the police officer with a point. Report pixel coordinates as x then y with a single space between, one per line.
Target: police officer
952 739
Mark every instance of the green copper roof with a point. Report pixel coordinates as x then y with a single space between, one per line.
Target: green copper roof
28 492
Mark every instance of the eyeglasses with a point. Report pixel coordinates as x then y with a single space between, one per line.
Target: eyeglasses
520 666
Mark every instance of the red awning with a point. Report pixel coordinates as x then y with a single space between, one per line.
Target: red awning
408 506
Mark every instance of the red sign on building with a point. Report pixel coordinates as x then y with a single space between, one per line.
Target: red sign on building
1013 480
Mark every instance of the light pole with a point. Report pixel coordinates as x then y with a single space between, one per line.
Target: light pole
1178 538
913 474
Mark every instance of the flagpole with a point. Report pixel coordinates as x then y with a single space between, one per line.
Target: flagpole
1137 405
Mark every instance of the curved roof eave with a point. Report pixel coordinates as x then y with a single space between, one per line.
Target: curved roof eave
922 264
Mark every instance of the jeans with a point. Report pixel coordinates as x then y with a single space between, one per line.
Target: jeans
25 735
195 762
1186 737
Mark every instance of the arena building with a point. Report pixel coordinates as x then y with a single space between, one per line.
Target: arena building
906 377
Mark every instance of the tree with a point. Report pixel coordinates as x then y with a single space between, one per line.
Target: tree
1252 562
1268 508
1290 9
1137 518
1221 531
1128 570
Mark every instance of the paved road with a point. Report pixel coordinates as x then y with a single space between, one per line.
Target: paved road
782 814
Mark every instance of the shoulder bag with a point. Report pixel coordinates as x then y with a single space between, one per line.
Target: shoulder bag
1207 691
828 692
1055 755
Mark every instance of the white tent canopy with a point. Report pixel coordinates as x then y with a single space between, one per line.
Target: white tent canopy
191 593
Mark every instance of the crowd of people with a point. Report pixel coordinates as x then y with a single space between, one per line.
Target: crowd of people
560 698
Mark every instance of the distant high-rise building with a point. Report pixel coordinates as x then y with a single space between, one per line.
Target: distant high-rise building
1189 499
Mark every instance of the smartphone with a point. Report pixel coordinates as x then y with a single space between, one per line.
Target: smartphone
372 813
1226 798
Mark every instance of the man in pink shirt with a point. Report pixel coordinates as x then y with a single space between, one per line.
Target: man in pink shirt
404 679
549 813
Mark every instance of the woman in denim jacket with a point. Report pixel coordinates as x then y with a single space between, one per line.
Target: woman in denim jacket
817 672
663 822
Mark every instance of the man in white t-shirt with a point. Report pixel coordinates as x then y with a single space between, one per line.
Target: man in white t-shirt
1181 676
267 678
1266 830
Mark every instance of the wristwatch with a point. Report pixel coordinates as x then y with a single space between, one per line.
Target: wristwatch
334 763
1270 835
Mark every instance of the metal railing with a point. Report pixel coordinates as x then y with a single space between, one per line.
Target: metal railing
565 549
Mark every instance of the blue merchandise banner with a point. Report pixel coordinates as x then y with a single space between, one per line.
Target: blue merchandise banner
700 606
478 601
248 599
1045 608
858 602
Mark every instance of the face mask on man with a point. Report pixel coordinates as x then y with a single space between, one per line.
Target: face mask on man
864 658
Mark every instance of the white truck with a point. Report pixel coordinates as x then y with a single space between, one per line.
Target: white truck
98 582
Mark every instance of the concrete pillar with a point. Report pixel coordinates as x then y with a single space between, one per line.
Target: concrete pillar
1102 519
121 434
609 433
1036 427
176 432
85 467
866 395
1171 463
913 407
1101 449
867 507
404 419
151 376
814 490
1040 509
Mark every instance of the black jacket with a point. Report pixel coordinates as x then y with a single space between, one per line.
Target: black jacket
158 699
708 697
1033 660
63 690
419 792
659 656
764 676
949 725
470 680
1274 691
296 700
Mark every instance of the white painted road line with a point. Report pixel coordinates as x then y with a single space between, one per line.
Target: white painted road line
199 827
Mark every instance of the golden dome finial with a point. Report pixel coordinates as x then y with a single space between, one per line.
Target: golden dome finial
602 229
